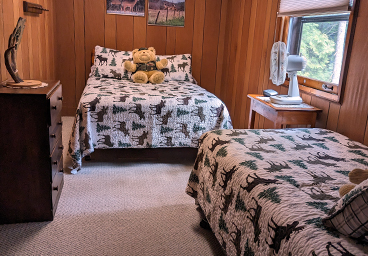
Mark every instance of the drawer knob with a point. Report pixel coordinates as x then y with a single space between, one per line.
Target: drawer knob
61 170
55 188
61 147
53 107
60 123
60 98
55 162
53 135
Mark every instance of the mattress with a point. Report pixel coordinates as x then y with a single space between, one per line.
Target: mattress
265 192
120 114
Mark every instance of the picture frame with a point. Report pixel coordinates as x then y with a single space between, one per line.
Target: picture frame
166 13
126 7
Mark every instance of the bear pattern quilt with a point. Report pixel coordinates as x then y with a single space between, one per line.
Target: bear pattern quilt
121 114
265 192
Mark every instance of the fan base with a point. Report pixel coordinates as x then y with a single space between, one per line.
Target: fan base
25 83
286 100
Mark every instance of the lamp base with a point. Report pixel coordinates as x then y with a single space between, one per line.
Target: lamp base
25 83
286 100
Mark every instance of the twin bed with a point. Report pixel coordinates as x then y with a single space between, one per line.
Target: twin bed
266 192
263 192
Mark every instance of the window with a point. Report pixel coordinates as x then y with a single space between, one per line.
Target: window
321 40
324 40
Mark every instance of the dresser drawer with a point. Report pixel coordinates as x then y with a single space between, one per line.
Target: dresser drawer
56 188
55 134
56 103
56 159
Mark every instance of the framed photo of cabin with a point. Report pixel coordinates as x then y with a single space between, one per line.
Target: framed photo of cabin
166 12
126 7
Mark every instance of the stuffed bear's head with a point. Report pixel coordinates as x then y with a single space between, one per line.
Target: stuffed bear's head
144 55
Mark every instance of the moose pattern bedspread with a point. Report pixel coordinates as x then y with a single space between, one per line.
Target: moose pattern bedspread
121 114
265 192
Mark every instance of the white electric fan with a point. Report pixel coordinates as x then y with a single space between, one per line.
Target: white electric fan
282 62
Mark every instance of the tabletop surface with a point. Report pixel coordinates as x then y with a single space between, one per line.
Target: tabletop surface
40 91
281 108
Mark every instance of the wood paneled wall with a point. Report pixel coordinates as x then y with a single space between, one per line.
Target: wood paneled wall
230 41
248 40
83 24
36 54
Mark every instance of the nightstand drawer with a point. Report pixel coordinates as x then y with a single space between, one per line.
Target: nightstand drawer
54 134
56 159
56 103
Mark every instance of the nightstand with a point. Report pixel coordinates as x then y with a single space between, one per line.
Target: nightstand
281 115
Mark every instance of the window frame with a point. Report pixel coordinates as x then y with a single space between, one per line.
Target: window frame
296 25
329 91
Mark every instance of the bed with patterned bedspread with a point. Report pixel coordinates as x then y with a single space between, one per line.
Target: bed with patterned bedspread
120 114
265 192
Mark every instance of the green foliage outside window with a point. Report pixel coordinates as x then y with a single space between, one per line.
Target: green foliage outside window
322 44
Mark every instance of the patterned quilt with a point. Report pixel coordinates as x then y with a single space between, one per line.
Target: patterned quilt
265 192
121 114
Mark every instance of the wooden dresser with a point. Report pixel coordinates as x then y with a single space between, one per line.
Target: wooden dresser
31 163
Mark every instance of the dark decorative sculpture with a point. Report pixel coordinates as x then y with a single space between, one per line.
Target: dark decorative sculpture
10 56
11 52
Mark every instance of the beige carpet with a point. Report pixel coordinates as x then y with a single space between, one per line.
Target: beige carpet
118 207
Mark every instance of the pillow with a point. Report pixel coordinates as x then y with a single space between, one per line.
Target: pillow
109 63
179 67
350 215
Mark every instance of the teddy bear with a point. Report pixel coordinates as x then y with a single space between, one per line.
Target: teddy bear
145 67
356 176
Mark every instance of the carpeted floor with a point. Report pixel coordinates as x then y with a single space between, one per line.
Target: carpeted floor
118 207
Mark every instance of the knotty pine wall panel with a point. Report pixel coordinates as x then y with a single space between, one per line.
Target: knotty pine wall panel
157 37
246 46
139 32
257 52
36 53
200 7
225 85
267 44
124 31
221 46
184 36
170 45
237 10
66 57
110 34
210 45
80 54
354 109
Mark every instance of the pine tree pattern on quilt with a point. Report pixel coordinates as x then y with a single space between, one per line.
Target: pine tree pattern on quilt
265 192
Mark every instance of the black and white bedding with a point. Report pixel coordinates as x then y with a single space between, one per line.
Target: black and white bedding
265 192
122 114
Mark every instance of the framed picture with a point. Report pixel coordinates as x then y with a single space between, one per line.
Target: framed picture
166 12
126 7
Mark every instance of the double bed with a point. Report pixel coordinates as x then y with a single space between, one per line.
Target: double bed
266 192
117 113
